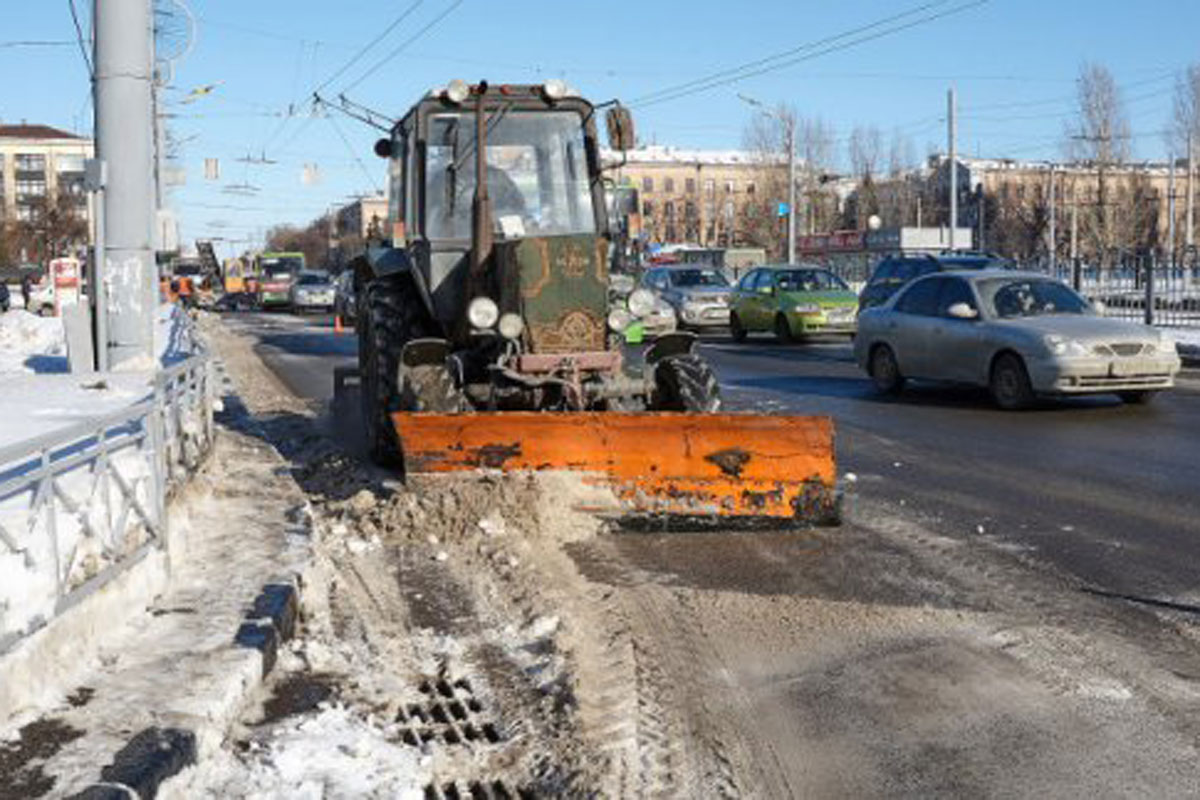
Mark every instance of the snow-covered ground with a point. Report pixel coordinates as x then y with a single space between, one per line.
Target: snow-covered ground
39 395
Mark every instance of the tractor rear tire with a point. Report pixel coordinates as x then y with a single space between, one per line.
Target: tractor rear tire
393 317
687 383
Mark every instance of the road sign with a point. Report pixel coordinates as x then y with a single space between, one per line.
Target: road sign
783 210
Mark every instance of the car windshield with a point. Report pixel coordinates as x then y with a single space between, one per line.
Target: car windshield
310 279
697 277
808 280
536 171
278 268
1029 297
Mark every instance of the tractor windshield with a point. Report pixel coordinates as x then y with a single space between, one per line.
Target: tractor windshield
537 174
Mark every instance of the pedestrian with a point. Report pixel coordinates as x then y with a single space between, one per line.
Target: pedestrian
27 289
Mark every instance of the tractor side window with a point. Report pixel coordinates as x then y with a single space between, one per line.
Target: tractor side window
746 284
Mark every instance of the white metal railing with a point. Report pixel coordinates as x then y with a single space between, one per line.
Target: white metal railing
80 506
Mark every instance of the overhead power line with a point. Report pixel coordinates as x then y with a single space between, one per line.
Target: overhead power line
39 43
404 45
79 38
830 44
371 44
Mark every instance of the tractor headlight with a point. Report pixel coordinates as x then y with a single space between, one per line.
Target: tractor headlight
641 302
511 326
554 89
457 91
619 319
483 312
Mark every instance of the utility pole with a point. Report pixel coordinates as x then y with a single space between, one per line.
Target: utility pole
1171 215
124 124
1076 278
1053 247
1189 235
953 166
790 121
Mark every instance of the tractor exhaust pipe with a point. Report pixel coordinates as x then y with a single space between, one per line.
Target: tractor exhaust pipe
481 206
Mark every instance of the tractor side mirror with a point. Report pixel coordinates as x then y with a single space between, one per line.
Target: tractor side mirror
620 128
383 148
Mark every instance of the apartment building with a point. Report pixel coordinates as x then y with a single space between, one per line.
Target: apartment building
38 162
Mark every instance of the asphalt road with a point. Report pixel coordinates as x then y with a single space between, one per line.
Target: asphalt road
1104 492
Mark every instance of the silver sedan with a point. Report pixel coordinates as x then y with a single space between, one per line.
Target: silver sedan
1019 334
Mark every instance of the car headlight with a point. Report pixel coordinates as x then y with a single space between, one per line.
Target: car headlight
483 312
807 308
1062 346
641 302
619 319
511 326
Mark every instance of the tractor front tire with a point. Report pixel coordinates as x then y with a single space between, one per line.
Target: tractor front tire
392 319
686 383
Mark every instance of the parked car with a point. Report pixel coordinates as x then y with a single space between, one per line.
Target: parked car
792 301
699 295
1021 334
311 291
654 316
896 271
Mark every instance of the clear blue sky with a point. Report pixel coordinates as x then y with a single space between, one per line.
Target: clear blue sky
1013 62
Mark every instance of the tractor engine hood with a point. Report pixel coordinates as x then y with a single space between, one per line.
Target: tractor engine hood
559 286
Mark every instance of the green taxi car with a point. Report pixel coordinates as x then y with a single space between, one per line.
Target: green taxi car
792 302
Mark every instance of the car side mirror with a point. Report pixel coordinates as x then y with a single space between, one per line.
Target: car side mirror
962 310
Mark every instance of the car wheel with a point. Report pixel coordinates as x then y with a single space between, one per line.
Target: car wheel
783 329
1010 383
735 328
1137 398
885 372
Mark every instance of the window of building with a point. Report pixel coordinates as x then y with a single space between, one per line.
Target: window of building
750 187
68 163
29 162
690 210
647 208
647 184
710 187
730 187
729 209
24 213
668 185
689 185
27 188
669 210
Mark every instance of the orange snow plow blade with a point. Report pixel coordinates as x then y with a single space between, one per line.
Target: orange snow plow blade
686 466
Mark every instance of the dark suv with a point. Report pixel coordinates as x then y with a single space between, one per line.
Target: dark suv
896 271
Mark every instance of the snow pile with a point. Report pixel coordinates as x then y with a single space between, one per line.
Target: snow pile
29 343
332 753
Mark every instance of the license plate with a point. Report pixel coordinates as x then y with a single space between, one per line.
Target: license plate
1123 369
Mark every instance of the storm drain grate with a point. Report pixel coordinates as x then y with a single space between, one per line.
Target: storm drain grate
451 714
476 790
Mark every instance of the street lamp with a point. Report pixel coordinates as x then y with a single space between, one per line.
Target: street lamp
789 126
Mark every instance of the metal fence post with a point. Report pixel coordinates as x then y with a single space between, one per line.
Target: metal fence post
1148 316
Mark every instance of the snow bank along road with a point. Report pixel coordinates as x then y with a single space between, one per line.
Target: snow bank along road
479 634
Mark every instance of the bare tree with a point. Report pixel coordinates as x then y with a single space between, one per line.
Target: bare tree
312 240
1185 120
54 228
1100 136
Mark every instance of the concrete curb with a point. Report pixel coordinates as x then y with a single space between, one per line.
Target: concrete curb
153 756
